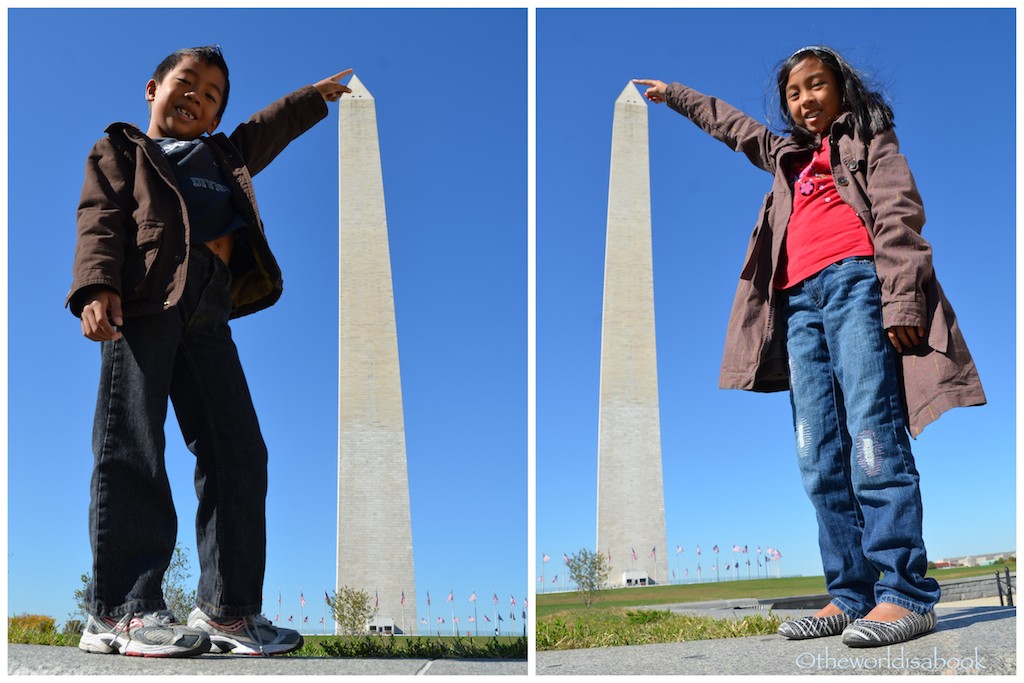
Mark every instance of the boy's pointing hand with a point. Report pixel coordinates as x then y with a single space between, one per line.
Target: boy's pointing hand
331 88
655 89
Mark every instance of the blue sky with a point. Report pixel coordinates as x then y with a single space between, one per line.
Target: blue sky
455 181
729 465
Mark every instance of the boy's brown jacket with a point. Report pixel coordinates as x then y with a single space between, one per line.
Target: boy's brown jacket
874 179
133 228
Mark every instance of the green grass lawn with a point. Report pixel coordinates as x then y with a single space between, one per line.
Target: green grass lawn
552 603
562 622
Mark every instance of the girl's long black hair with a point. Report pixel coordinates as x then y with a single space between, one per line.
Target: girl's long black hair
871 114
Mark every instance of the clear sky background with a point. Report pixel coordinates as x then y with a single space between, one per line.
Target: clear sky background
730 470
450 90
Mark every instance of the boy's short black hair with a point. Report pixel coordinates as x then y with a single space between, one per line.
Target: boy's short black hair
211 54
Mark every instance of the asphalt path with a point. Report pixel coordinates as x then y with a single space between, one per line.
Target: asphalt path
967 640
50 660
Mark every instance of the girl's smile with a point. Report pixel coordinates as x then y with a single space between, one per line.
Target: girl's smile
812 94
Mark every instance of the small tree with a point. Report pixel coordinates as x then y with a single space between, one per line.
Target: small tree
352 610
180 600
589 572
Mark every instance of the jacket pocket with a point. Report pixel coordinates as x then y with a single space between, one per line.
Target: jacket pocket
141 259
756 240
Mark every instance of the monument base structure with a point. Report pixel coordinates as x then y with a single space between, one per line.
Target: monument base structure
630 493
374 522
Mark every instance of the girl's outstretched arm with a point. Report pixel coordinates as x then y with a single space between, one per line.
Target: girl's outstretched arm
718 119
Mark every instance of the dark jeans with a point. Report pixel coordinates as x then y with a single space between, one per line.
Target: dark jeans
852 443
185 353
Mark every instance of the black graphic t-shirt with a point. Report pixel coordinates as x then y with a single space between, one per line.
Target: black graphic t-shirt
211 212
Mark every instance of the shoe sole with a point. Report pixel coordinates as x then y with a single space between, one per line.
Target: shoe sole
98 644
227 646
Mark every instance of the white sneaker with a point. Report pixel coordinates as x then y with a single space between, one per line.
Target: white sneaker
253 635
143 634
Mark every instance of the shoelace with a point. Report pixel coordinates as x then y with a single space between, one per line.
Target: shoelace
163 618
122 625
252 625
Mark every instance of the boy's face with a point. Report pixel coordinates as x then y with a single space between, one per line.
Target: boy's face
185 104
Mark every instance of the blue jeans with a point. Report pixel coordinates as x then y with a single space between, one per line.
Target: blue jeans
852 443
185 353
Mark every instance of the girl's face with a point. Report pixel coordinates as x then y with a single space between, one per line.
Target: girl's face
812 94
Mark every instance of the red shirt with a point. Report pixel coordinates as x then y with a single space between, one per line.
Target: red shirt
823 228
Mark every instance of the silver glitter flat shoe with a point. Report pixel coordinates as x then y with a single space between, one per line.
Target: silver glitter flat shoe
814 627
868 633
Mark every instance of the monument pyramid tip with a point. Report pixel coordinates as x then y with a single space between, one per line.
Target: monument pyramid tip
631 95
357 88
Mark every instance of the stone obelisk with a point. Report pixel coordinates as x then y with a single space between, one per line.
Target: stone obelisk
374 522
630 494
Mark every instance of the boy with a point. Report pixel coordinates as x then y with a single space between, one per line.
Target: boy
170 246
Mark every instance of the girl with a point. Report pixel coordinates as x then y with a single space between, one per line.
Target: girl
837 302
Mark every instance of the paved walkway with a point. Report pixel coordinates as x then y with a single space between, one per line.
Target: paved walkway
48 660
968 640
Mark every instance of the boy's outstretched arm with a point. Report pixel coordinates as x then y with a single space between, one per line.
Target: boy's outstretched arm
655 89
331 88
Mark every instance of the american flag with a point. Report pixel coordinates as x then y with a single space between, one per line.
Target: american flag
565 558
546 557
302 599
736 549
513 599
495 598
428 598
403 598
652 553
679 549
472 596
327 598
487 618
451 596
633 550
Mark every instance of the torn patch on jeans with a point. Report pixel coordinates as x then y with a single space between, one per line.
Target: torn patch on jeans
803 439
869 453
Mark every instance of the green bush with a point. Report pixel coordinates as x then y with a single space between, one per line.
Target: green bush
411 647
36 629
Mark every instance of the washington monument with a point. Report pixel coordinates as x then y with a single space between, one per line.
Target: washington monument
374 523
630 495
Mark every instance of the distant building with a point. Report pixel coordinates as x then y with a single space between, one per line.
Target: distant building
975 560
